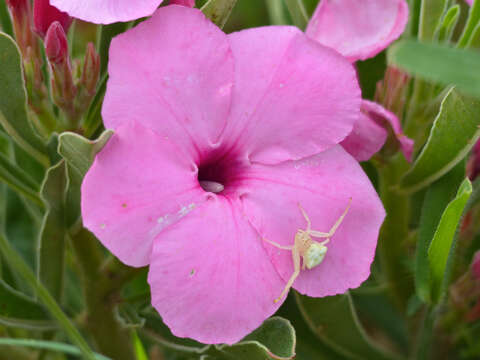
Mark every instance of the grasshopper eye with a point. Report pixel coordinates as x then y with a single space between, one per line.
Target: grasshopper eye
314 255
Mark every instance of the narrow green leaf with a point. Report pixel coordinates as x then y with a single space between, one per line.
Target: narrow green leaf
53 233
334 320
298 13
13 110
431 13
139 349
218 11
18 310
17 263
18 179
472 22
5 22
454 132
79 152
48 345
442 245
438 196
93 120
439 63
474 42
445 30
276 12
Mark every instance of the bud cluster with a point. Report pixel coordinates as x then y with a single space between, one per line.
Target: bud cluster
70 91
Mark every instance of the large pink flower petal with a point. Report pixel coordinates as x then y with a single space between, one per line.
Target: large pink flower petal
322 185
139 184
173 73
210 276
358 29
107 11
366 139
292 97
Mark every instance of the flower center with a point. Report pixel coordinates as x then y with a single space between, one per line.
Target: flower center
217 173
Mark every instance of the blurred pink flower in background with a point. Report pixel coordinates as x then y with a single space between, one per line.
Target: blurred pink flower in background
107 11
218 138
360 30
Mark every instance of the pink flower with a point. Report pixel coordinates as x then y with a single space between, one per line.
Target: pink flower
107 11
469 2
218 139
360 30
45 14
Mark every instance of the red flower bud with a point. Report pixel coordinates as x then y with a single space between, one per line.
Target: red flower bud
56 45
45 14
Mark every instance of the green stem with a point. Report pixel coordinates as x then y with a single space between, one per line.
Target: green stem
298 13
426 336
395 231
17 263
101 287
47 345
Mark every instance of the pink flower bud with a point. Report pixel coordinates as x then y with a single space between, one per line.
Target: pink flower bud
22 24
189 3
45 14
91 70
56 45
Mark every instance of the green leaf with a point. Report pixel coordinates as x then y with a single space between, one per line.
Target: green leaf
16 262
48 345
334 320
80 152
13 103
431 13
439 63
445 30
274 339
218 11
474 42
139 348
472 22
454 132
438 196
18 179
18 310
53 233
298 13
442 246
5 23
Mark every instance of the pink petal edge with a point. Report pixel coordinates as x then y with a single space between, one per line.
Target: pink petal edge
292 97
126 203
322 185
358 29
107 11
211 278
